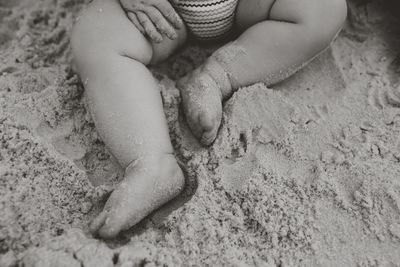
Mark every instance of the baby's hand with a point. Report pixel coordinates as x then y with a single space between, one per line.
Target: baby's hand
153 18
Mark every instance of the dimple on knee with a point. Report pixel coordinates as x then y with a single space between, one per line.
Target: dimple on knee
92 53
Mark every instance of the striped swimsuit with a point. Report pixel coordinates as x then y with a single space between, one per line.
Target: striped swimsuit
207 19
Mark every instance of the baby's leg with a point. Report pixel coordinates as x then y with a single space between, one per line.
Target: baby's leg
295 32
279 37
126 105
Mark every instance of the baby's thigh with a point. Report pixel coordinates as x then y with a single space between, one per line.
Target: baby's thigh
316 15
104 30
252 12
320 14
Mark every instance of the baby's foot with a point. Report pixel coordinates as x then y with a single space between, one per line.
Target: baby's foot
202 104
147 185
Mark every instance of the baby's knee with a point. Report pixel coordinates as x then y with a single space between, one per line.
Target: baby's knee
88 48
94 41
80 43
324 20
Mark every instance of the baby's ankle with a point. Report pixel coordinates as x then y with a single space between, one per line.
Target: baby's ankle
164 168
151 163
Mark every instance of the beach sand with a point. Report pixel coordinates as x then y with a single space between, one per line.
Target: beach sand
306 173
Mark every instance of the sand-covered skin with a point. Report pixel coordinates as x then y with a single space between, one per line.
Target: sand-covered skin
304 174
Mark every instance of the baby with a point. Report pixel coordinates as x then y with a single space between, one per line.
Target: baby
114 41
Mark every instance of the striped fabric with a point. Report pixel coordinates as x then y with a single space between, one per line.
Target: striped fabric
207 19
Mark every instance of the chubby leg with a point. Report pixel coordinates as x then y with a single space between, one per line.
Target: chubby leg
279 37
111 56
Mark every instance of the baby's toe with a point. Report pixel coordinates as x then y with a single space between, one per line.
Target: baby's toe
208 137
210 124
194 124
98 222
115 223
207 121
110 229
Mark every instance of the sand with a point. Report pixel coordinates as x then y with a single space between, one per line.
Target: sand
305 173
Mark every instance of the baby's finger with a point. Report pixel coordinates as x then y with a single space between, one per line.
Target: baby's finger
149 27
169 12
133 18
161 23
